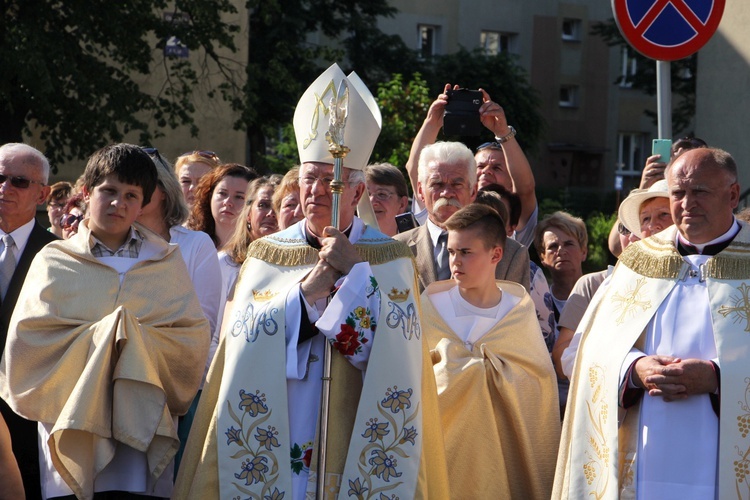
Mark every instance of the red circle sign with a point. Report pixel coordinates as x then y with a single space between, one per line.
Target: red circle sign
668 30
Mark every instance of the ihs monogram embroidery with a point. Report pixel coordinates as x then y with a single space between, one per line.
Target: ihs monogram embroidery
629 303
740 310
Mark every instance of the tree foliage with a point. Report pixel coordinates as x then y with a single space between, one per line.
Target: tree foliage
404 106
683 75
68 68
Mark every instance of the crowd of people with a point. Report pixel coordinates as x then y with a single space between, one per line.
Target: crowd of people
197 330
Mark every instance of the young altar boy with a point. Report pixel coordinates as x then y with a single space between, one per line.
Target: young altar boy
497 390
107 344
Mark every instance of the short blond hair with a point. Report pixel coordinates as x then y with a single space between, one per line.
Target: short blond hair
569 224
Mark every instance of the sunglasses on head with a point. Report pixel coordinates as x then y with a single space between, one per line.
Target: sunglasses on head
210 155
18 182
68 220
491 145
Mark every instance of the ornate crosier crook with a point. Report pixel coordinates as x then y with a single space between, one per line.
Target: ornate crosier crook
338 113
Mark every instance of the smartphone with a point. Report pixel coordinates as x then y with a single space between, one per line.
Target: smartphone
663 148
406 221
462 112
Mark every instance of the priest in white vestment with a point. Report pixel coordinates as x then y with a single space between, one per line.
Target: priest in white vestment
659 407
255 433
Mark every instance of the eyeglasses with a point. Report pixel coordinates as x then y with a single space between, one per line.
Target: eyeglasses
490 145
68 220
309 181
18 182
55 205
210 155
154 153
622 229
382 195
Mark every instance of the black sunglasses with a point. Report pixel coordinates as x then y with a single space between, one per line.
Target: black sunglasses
18 182
68 220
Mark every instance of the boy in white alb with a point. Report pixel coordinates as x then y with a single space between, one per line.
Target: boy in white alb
107 344
497 390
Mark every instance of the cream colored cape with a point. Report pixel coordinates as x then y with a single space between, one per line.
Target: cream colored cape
249 369
104 362
498 402
597 459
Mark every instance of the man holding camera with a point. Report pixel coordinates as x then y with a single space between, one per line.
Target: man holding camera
499 162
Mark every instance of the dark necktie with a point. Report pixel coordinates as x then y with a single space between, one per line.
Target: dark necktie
441 264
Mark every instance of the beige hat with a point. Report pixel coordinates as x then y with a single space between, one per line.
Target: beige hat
630 208
363 121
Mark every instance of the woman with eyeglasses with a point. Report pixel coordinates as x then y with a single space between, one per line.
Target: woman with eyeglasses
219 199
386 186
73 213
56 200
190 168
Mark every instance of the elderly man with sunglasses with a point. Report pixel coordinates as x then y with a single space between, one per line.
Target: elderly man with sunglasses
24 173
501 161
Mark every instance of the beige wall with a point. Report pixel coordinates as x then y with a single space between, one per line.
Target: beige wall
723 100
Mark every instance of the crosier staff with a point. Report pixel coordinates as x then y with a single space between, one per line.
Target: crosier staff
338 112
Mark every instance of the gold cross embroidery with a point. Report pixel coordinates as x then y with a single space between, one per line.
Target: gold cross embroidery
632 300
740 310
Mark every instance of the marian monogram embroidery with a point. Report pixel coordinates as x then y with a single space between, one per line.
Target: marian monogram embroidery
628 304
251 321
740 308
387 440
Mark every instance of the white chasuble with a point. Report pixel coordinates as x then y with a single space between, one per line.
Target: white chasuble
257 436
661 303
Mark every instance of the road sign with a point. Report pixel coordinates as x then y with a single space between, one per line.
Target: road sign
667 30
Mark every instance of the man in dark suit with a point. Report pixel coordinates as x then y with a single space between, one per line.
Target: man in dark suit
447 182
24 173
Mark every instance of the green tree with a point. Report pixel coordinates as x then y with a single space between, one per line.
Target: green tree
282 61
683 75
68 68
403 106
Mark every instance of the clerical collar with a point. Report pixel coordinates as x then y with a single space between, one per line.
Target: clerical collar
314 241
713 247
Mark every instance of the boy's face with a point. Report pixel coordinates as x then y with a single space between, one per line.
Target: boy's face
472 263
113 207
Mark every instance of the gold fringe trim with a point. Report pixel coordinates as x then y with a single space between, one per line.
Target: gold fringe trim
304 255
653 258
728 268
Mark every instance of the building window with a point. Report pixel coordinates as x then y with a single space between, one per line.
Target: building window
427 42
571 29
569 96
629 67
495 42
630 153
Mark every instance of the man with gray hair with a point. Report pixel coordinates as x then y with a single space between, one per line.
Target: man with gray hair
447 181
24 173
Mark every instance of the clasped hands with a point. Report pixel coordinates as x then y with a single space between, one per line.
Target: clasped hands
674 378
337 257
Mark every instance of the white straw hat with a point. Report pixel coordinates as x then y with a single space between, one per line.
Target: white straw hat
630 208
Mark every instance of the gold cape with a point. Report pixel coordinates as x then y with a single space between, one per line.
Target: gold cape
597 457
498 403
251 359
104 362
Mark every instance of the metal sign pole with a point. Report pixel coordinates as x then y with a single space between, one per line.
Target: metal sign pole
664 98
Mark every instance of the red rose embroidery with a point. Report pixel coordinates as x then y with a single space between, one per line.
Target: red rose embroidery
307 457
347 341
